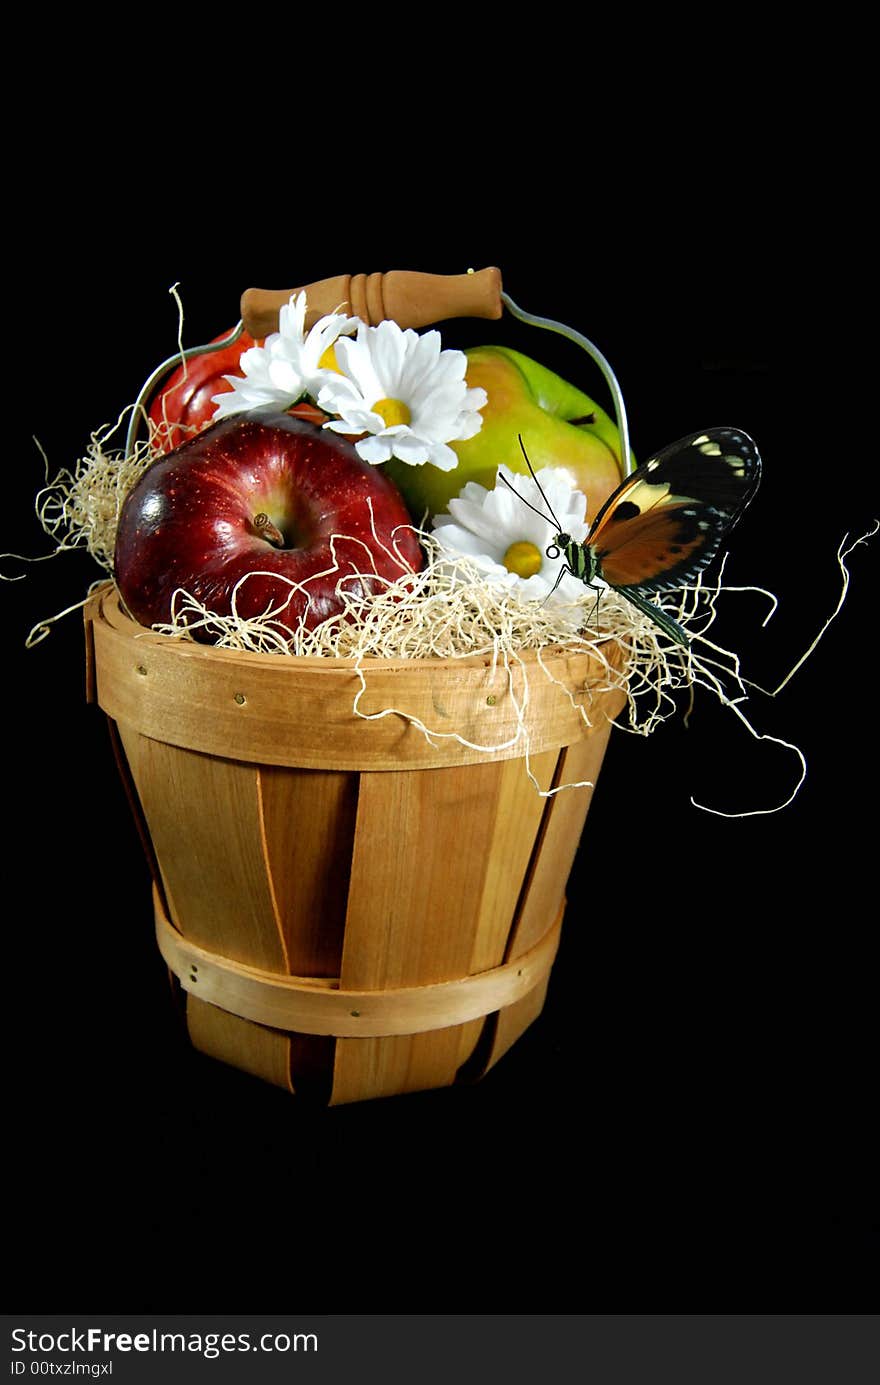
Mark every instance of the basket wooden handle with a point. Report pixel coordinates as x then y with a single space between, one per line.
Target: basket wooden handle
406 297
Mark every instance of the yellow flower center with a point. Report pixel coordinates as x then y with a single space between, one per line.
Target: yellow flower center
391 411
328 359
523 558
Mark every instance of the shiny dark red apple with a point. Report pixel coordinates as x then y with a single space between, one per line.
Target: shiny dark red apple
260 494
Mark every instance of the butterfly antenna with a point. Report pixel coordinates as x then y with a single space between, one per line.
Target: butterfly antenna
533 508
523 501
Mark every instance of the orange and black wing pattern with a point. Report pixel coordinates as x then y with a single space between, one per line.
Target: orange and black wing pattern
667 521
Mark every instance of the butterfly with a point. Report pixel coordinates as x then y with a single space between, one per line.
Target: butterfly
665 522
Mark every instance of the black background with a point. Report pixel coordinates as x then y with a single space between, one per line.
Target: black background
691 1113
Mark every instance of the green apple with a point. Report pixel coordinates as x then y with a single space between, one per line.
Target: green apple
559 425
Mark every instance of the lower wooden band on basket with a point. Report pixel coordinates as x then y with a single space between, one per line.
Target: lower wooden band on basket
317 1005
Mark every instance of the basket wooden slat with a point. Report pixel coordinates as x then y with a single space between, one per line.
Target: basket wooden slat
410 924
308 878
545 889
253 1048
205 824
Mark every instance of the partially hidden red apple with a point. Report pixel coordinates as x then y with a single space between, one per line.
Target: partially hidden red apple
185 402
262 494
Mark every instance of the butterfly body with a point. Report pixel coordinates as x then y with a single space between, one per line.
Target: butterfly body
667 521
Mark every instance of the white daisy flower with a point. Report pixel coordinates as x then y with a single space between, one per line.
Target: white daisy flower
407 395
509 541
289 364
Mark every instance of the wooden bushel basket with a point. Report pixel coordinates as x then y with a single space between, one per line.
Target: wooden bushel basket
353 910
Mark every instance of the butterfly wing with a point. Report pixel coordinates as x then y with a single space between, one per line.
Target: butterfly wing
667 521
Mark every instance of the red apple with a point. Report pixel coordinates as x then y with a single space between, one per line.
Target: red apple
185 403
259 493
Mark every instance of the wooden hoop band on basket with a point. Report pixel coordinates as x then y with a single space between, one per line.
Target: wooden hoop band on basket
316 1005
